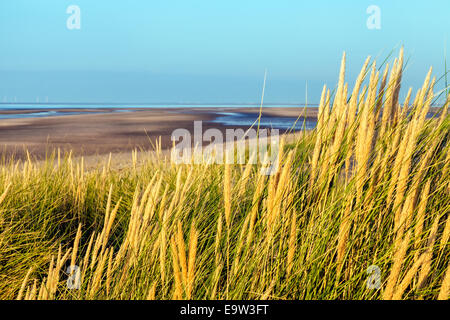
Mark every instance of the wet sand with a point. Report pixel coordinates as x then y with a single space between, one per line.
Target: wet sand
94 133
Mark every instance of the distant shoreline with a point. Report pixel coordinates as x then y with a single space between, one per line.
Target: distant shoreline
163 103
93 133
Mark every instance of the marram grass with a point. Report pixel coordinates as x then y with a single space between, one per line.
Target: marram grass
368 187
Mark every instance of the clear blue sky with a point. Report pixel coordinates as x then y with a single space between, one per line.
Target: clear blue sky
206 51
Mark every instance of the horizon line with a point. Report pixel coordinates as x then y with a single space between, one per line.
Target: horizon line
157 103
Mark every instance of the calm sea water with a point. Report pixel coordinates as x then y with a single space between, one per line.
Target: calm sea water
225 118
247 120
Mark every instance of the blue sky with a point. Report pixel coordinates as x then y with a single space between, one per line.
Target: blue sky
206 51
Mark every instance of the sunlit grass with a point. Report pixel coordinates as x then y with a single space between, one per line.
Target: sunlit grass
368 187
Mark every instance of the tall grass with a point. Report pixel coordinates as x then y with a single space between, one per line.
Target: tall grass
369 186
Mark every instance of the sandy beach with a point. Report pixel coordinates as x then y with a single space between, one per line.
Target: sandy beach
104 131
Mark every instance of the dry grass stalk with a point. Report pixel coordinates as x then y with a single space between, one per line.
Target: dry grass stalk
292 241
227 194
444 293
428 254
401 246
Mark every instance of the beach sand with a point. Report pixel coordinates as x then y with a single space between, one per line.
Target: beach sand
114 132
